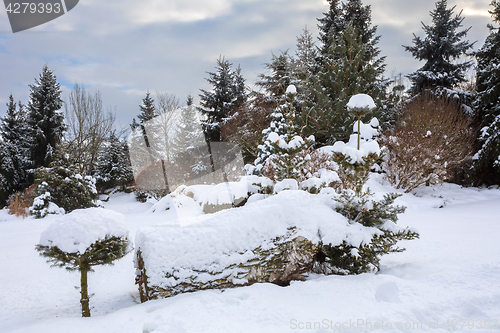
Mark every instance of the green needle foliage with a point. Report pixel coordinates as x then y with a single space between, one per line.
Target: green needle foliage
101 252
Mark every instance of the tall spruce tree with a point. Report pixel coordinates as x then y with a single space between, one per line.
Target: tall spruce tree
45 118
441 49
16 160
147 109
487 104
336 21
280 76
348 63
345 72
228 92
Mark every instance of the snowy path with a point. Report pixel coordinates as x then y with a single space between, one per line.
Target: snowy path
452 272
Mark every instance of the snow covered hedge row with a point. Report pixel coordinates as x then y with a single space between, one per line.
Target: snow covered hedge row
273 240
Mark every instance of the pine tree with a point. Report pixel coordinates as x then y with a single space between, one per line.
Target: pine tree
147 109
330 27
8 172
280 77
348 63
45 118
441 50
113 167
304 63
189 145
336 21
279 156
219 104
15 134
487 105
345 72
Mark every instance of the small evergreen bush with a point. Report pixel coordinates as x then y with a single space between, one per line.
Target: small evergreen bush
355 203
60 190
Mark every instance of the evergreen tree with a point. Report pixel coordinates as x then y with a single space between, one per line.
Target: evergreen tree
441 50
280 77
113 167
8 172
487 104
219 104
336 21
15 134
305 59
45 118
189 100
104 250
330 27
134 124
189 145
344 72
279 156
147 109
348 63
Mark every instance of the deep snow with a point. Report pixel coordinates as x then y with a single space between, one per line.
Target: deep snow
449 278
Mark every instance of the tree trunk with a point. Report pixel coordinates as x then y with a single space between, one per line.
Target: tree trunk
84 300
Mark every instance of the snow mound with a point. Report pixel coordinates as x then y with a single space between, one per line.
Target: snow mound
361 101
219 245
75 232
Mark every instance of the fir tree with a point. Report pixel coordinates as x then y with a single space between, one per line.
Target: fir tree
189 145
336 21
305 59
441 50
45 118
280 77
487 105
113 167
219 104
147 109
330 27
134 124
279 156
14 131
278 126
8 172
345 72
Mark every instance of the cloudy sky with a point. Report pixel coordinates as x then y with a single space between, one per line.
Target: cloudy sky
126 47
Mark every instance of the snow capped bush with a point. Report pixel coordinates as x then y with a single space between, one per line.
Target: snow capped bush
59 190
85 238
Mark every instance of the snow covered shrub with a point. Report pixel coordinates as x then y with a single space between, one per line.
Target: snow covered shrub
319 172
346 259
356 159
82 239
432 137
288 158
59 190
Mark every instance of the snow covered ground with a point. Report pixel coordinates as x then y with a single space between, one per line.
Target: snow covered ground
448 280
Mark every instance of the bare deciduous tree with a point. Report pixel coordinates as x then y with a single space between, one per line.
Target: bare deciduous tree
88 127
